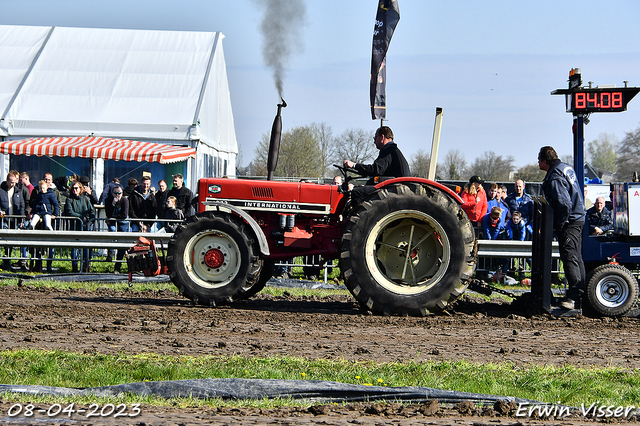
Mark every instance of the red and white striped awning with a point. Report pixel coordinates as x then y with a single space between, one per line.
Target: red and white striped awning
96 147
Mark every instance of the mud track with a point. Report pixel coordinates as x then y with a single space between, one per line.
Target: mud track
110 322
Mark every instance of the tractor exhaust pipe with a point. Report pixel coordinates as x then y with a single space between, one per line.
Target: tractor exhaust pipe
274 143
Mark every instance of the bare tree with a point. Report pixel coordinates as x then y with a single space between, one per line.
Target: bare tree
602 152
419 164
491 166
327 146
629 155
530 173
355 145
453 166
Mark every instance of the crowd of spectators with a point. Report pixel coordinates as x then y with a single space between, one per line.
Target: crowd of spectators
506 216
138 207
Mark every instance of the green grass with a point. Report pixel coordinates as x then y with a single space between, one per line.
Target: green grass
566 385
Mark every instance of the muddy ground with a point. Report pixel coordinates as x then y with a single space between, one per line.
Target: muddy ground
108 321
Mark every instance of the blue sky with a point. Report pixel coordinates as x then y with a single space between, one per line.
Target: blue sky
490 65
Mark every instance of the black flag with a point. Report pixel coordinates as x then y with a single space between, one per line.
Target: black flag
386 20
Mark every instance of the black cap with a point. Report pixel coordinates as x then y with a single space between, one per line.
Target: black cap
84 180
178 175
476 179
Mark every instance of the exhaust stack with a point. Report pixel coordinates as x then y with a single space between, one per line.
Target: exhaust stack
274 143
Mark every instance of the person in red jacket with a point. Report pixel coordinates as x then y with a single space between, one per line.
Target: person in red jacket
475 200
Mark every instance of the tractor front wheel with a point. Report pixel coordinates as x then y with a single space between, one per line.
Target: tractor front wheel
211 259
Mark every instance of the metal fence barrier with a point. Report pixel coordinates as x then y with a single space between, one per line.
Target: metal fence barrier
57 244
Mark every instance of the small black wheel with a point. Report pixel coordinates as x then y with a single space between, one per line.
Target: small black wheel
612 290
408 250
211 258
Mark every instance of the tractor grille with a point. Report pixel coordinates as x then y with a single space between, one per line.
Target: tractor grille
262 192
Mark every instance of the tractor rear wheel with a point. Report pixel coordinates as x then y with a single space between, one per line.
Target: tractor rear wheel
211 258
612 290
408 250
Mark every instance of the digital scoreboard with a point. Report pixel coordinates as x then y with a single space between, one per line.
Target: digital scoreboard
581 100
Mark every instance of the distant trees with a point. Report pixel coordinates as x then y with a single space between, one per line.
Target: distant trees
355 145
628 160
602 152
299 154
453 166
419 164
310 151
530 173
492 167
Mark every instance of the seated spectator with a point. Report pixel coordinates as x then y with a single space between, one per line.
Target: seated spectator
79 206
599 217
171 212
45 206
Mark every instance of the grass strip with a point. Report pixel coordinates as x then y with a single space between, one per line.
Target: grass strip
565 385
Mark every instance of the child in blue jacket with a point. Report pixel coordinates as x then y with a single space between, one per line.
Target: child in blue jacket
45 206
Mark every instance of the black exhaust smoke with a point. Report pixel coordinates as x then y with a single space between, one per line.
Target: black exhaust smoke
274 143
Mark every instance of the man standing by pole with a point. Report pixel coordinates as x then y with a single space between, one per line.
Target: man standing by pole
564 194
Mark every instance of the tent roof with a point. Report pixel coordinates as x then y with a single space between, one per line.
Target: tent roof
96 147
133 84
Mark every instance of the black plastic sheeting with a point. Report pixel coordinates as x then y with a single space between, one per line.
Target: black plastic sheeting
239 389
138 278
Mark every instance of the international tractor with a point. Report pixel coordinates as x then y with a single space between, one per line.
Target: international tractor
409 249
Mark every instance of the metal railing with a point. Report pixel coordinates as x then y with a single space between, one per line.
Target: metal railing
99 238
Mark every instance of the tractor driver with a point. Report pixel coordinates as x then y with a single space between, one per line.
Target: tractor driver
390 162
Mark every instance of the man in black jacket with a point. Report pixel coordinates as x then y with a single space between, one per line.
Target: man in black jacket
599 217
390 163
142 205
16 200
565 196
183 195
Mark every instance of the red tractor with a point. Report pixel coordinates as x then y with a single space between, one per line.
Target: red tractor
409 249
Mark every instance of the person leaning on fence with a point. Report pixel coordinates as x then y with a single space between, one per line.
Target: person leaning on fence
171 212
80 208
15 206
116 208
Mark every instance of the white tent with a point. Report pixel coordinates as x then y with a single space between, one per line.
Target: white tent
167 87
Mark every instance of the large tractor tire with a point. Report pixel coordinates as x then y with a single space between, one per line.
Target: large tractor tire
212 259
408 250
612 290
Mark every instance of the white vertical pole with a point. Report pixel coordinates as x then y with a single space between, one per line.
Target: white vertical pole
435 143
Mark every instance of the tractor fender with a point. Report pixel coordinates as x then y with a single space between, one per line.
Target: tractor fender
228 208
429 182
